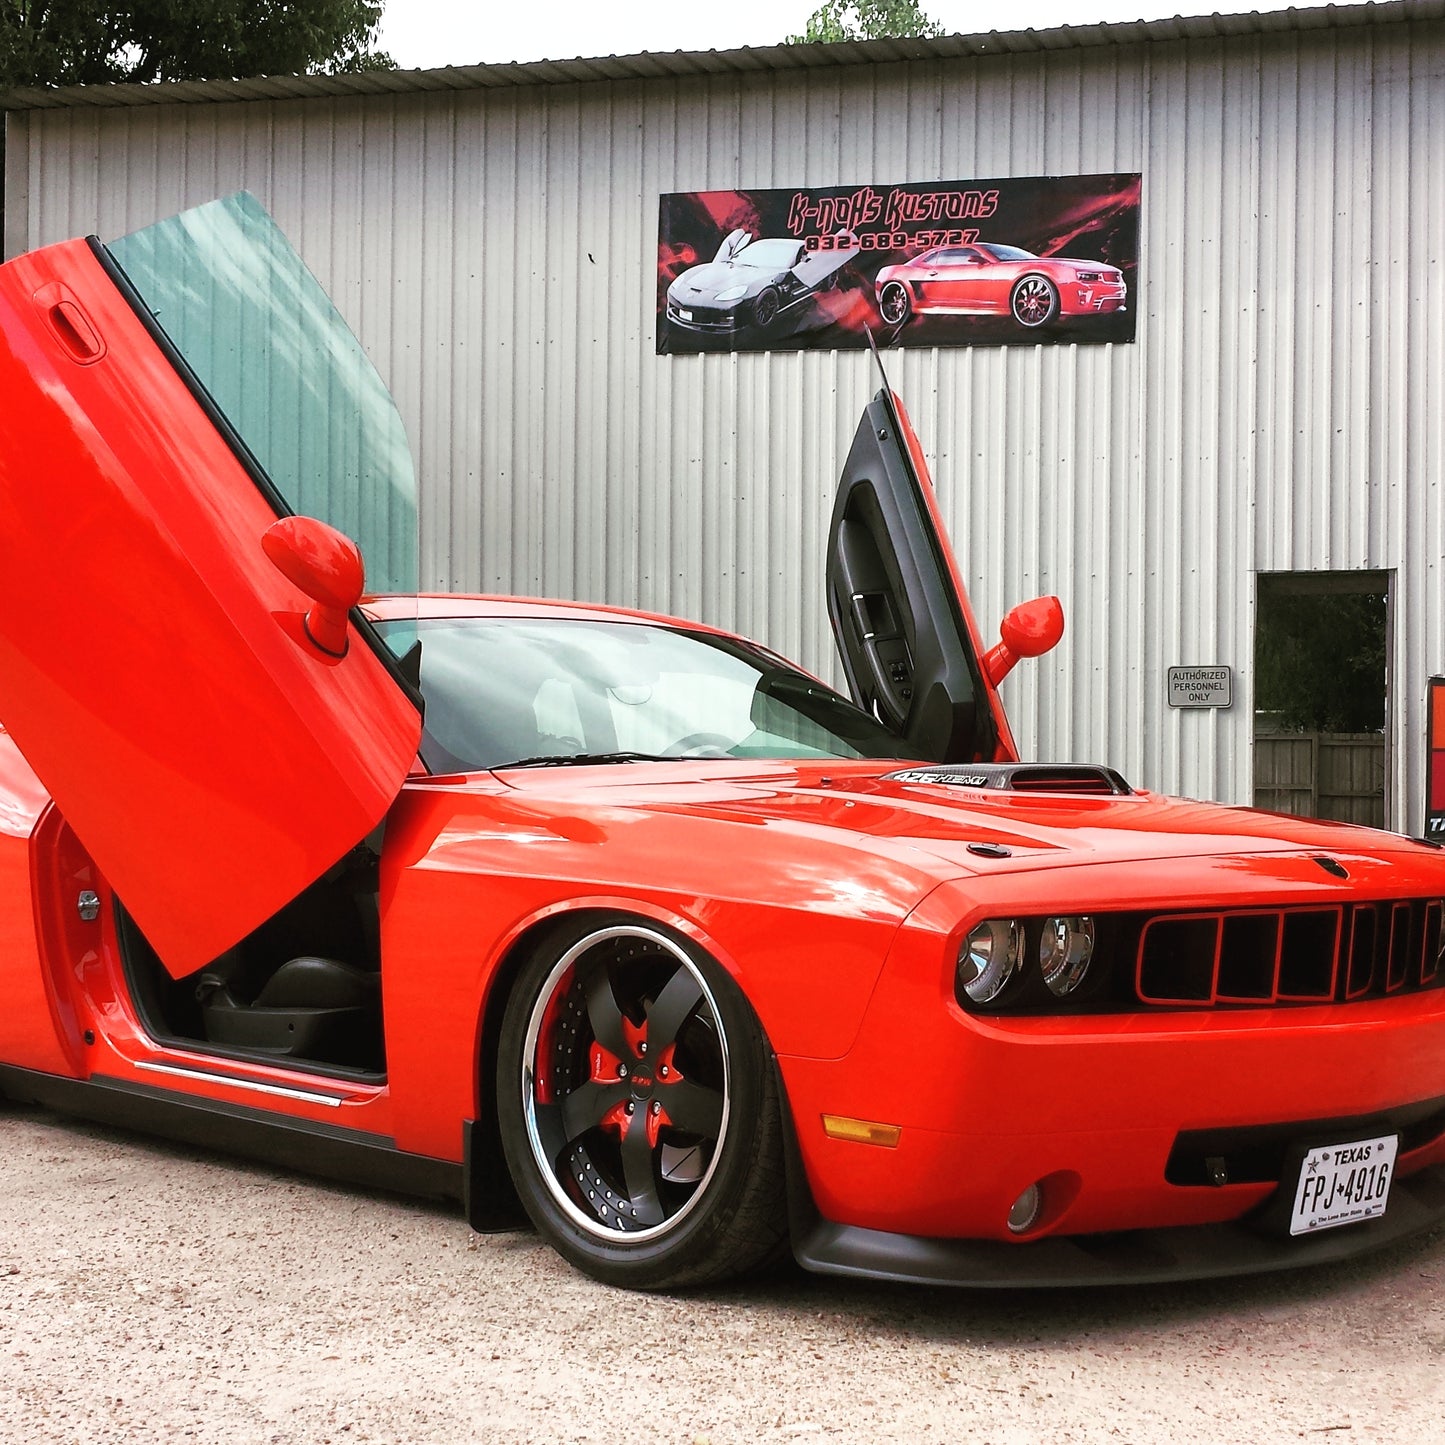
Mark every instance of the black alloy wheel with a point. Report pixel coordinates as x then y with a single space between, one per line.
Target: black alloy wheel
639 1109
766 308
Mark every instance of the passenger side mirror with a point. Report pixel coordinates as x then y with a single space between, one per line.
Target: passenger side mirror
326 565
1029 630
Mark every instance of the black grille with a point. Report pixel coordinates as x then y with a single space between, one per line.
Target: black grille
1256 1154
1290 955
708 316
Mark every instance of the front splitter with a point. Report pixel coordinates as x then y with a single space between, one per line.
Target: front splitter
1139 1256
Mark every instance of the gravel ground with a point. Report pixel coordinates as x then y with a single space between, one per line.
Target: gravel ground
150 1295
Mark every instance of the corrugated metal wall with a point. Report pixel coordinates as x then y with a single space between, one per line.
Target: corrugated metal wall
1281 409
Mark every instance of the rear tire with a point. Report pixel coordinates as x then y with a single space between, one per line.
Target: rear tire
639 1108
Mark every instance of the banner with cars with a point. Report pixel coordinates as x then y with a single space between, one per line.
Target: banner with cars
930 263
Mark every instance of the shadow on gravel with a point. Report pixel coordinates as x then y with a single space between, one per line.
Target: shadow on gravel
1024 1317
992 1317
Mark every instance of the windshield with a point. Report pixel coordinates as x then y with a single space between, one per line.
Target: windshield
501 691
774 255
1010 253
274 355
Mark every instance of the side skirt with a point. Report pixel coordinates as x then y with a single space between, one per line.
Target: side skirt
325 1150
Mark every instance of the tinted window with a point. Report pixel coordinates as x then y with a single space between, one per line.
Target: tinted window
264 340
503 690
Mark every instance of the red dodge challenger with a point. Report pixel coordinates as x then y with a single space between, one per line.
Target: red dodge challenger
615 922
991 280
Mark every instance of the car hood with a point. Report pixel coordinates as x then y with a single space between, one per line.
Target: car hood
849 803
718 276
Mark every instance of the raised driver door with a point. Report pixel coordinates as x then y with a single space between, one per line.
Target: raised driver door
900 615
157 668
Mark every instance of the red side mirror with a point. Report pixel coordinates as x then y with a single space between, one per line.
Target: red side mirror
326 565
1029 630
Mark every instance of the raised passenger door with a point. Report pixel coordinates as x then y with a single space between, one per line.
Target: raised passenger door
910 647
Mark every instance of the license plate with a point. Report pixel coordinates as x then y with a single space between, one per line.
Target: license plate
684 315
1343 1183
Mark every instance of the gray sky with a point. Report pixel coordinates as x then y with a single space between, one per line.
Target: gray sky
421 34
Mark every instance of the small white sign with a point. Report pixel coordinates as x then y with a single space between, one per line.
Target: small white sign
1200 687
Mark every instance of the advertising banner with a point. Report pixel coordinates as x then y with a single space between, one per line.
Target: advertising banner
932 263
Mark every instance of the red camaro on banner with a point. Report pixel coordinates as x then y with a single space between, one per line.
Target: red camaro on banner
955 263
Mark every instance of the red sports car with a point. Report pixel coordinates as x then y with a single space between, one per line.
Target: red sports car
616 922
992 280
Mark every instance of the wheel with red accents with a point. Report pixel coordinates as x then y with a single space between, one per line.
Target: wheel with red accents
639 1109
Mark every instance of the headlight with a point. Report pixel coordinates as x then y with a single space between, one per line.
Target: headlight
989 959
1090 275
733 293
1066 949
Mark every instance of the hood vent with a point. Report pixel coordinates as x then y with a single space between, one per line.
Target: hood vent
1018 777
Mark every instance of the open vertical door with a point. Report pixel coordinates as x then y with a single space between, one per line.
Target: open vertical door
211 748
732 243
900 616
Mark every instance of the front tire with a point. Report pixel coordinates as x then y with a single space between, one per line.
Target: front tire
1034 300
895 305
639 1109
766 308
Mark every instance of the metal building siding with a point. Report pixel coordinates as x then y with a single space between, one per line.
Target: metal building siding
1281 408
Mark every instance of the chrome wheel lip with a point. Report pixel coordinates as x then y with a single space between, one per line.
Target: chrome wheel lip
1028 291
584 1221
898 305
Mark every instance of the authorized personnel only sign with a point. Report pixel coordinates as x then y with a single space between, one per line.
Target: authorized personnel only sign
1200 687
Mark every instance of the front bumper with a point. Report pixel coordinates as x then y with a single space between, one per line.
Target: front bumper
1157 1256
1094 299
713 318
1185 1127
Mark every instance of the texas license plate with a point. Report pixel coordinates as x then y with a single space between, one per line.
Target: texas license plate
1343 1183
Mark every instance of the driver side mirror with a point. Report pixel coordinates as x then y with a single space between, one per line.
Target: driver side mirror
1028 630
326 565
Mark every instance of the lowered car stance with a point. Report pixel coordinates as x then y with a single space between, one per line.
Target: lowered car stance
617 923
754 285
992 280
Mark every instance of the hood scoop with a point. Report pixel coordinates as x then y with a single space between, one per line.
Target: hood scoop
1018 777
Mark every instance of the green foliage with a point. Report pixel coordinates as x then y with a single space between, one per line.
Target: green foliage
1320 661
69 42
865 20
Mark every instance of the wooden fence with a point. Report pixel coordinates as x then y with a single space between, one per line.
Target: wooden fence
1322 775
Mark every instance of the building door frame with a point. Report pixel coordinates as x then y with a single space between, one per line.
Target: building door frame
1334 583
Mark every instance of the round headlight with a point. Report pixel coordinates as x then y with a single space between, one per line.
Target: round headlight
1066 949
990 959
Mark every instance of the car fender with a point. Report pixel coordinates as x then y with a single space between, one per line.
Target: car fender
462 891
